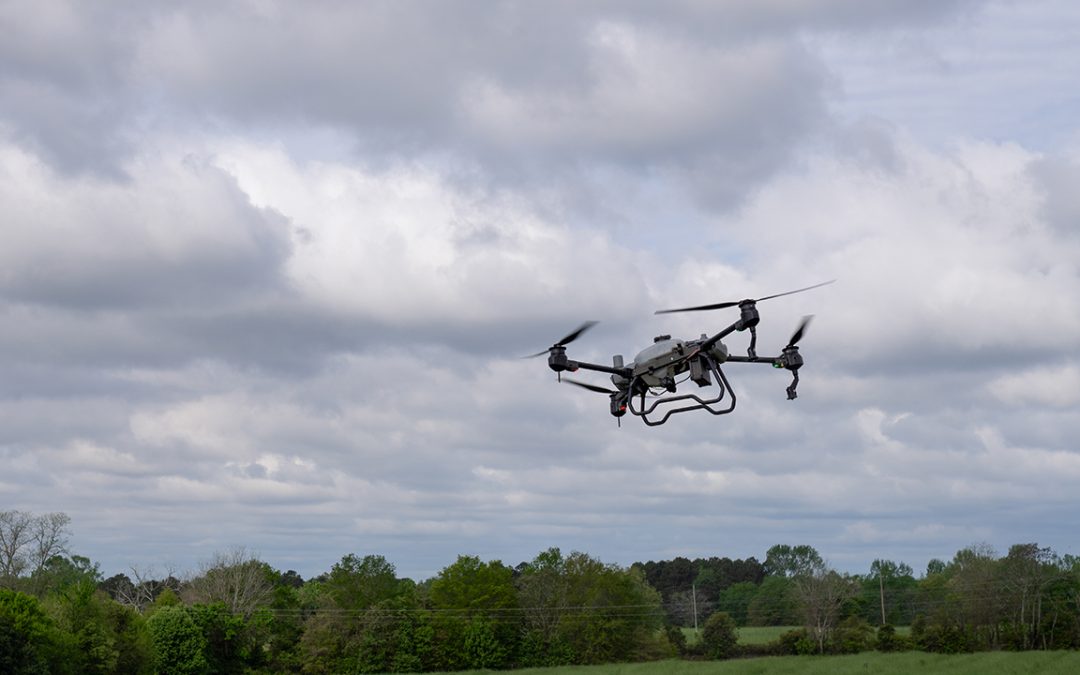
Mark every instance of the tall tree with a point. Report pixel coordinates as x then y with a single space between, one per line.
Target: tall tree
15 537
791 561
972 577
49 534
235 578
477 613
822 593
892 586
1025 572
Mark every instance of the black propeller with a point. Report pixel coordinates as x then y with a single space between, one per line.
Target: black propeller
590 387
566 340
799 332
724 305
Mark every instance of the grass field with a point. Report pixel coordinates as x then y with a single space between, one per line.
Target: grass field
988 663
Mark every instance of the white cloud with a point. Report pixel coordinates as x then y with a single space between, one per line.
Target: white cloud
1053 386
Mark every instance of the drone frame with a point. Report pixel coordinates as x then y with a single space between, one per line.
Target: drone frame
698 360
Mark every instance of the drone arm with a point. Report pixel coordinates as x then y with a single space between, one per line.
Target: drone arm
775 361
575 365
708 344
789 360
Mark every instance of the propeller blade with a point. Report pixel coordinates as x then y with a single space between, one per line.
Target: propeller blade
566 340
724 305
701 308
590 387
800 331
808 288
576 334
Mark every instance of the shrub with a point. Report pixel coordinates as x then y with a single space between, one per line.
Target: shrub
888 641
720 636
676 637
945 639
852 636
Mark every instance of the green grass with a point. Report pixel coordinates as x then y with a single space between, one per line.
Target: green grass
986 663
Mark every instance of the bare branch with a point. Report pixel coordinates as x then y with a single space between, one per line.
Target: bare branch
237 578
15 536
49 534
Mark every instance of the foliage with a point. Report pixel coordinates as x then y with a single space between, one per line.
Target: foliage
361 619
179 643
476 621
30 642
736 599
719 636
682 581
792 561
107 637
888 640
239 615
851 636
773 604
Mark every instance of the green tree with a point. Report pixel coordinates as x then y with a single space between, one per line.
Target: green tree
616 615
62 572
470 598
773 604
888 593
229 645
821 594
543 588
791 561
179 643
363 618
1024 576
29 640
976 604
735 600
720 636
108 637
357 583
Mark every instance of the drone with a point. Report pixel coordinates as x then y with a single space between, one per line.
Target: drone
647 387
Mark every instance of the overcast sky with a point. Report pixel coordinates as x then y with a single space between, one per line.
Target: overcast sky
267 270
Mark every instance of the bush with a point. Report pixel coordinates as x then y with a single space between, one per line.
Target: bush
795 643
945 639
852 636
888 641
720 636
676 637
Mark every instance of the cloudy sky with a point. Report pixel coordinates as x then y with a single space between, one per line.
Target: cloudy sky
267 270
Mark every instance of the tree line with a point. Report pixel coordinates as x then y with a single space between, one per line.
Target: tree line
1027 599
237 614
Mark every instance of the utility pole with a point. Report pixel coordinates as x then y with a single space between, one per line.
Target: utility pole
881 588
693 599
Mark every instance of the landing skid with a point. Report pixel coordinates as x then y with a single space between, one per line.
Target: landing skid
722 383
